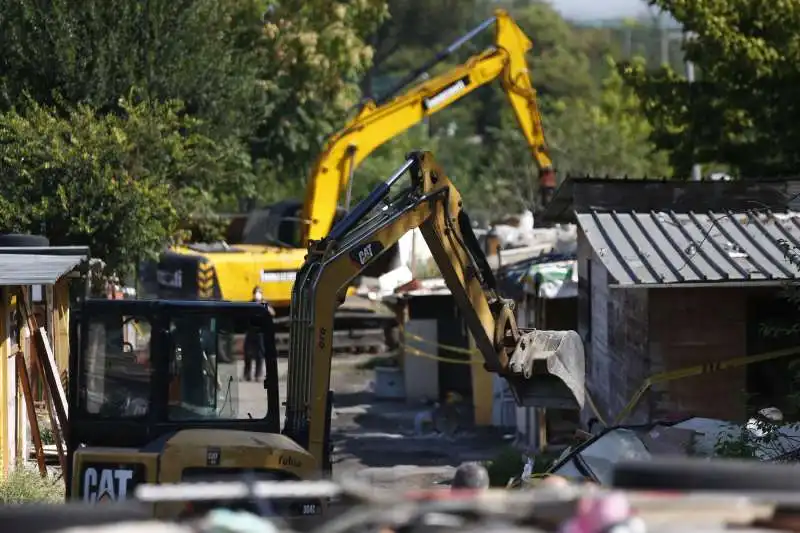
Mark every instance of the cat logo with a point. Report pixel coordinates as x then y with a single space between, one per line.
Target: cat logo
213 456
288 460
366 252
106 484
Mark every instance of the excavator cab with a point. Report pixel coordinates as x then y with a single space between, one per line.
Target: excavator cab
155 397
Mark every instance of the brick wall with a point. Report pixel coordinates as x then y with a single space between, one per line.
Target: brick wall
695 326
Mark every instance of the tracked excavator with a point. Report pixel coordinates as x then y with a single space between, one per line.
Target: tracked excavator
152 402
274 241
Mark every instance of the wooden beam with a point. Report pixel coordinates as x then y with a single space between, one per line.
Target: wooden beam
48 364
4 364
36 436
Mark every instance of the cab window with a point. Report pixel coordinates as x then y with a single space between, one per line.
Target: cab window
204 370
117 375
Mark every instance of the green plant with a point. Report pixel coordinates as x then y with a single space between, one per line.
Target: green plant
758 439
506 465
25 485
47 435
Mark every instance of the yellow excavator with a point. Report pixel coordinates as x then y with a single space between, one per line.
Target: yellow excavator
151 402
274 240
433 204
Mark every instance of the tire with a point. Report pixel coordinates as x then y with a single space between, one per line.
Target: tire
699 474
18 240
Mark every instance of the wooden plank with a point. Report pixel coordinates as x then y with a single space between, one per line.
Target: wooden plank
5 346
36 436
58 436
59 397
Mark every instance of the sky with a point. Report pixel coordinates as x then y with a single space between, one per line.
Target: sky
594 9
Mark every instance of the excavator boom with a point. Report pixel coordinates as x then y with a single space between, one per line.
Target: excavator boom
431 203
275 239
379 121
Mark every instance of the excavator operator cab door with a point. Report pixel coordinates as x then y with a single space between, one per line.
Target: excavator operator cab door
279 224
141 370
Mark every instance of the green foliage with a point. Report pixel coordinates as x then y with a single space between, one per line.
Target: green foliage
119 184
312 55
504 467
742 111
759 439
118 174
263 83
608 136
603 136
24 485
94 51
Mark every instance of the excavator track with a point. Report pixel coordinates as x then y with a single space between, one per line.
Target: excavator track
357 329
360 326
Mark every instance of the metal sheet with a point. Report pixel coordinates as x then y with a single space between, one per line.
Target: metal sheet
666 247
35 269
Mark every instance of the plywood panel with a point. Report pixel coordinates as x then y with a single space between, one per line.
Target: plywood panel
421 374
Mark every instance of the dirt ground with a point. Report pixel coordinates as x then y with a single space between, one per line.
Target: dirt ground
375 439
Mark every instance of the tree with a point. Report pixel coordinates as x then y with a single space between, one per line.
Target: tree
312 55
607 136
281 86
416 26
119 184
93 51
742 111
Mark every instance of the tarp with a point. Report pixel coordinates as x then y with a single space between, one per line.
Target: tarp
554 280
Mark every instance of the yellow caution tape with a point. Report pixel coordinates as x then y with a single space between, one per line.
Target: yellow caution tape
698 370
418 353
593 406
413 351
448 347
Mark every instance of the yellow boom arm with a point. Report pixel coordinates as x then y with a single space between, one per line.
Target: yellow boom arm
378 122
432 204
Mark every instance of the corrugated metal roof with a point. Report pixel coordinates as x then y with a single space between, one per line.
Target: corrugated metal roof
666 247
35 269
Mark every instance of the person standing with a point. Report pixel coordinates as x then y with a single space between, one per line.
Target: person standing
254 349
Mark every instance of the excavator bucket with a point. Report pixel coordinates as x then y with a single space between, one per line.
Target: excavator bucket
548 370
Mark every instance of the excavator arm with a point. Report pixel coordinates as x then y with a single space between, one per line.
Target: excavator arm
379 121
432 204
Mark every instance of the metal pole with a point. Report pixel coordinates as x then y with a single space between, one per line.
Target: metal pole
697 173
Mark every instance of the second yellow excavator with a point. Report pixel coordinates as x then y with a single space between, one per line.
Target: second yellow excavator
274 239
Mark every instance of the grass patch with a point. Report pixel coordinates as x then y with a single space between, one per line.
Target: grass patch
508 464
25 485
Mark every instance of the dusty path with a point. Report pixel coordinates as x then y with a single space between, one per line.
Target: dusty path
375 439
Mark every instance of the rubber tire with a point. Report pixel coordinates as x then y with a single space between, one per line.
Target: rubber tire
685 474
18 240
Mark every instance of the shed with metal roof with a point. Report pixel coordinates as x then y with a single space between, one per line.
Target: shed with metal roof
679 284
659 248
26 271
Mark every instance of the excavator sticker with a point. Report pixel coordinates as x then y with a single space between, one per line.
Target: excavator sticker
277 275
446 94
366 252
102 483
169 278
213 456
